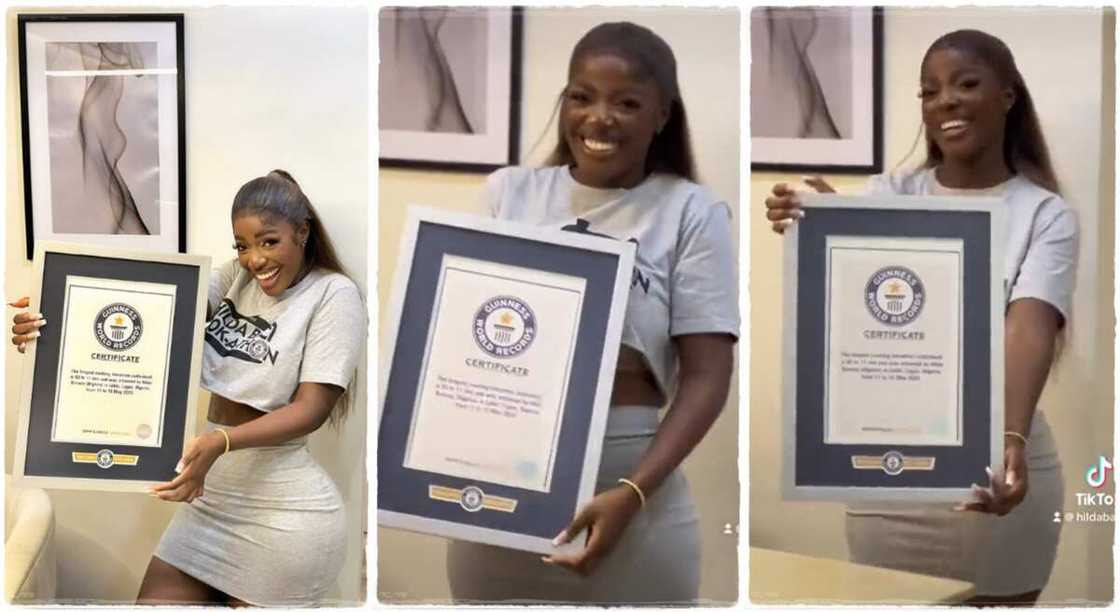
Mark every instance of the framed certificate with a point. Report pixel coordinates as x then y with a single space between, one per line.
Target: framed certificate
109 387
503 341
893 355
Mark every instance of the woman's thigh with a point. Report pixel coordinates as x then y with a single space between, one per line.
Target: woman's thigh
165 584
1009 556
1022 599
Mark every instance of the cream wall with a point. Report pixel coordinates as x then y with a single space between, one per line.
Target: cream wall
265 88
1065 56
706 44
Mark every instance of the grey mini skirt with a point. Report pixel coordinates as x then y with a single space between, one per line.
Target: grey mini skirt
657 559
269 529
1001 555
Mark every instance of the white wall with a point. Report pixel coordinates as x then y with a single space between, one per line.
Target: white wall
706 44
1065 55
265 88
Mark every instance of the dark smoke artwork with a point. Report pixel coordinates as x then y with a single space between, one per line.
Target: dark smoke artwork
103 117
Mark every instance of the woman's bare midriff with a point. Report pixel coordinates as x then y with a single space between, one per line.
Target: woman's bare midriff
634 384
230 413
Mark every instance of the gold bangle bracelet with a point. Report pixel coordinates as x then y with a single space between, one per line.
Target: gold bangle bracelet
226 435
1015 434
637 489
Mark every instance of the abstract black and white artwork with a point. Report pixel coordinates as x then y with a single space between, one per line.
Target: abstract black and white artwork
102 129
815 89
447 86
104 137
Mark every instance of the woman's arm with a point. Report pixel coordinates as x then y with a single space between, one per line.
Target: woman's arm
705 373
307 412
1030 329
706 362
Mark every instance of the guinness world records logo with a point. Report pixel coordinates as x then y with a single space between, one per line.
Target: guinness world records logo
471 499
893 463
118 327
894 295
504 326
104 458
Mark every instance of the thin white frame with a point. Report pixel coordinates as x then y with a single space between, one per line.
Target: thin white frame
19 478
990 205
625 251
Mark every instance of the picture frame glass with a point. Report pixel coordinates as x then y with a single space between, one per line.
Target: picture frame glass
816 89
892 348
103 141
108 401
448 79
503 339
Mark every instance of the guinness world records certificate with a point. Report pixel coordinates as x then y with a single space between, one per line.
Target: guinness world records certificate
116 343
498 360
893 360
109 388
907 353
503 339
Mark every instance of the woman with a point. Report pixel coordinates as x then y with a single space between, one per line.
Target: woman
623 168
262 523
983 138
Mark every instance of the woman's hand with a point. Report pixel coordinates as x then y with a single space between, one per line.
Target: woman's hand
1030 329
1008 486
606 517
783 207
200 454
25 325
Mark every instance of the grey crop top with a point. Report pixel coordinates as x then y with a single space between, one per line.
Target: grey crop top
685 278
258 348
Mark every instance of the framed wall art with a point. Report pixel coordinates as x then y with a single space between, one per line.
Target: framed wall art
102 113
816 89
449 87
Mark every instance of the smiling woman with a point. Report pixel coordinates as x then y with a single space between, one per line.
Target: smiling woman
269 250
610 117
280 354
623 169
983 139
279 358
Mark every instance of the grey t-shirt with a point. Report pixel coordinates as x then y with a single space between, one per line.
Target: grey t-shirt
259 348
685 279
1040 252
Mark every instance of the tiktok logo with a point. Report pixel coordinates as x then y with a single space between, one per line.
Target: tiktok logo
1097 476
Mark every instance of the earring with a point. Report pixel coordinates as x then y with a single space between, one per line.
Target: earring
303 243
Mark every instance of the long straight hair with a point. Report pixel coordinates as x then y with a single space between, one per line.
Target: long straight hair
278 196
1024 147
651 57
